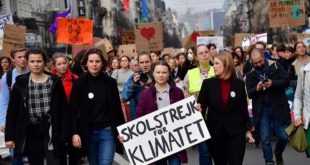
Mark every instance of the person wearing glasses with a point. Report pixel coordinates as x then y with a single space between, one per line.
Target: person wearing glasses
192 84
97 111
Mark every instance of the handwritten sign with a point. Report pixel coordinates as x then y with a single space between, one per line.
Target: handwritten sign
251 40
217 40
14 37
74 31
129 50
128 37
286 13
149 36
164 132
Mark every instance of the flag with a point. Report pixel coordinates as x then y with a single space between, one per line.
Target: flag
126 5
76 31
53 26
145 10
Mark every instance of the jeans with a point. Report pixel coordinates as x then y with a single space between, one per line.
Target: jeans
204 154
172 160
102 147
267 122
16 161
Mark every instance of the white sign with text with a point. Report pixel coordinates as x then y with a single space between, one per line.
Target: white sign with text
164 132
217 40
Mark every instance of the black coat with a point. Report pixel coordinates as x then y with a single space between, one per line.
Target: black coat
17 117
234 118
81 114
276 93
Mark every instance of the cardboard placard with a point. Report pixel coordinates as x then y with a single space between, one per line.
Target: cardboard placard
217 40
14 34
14 37
107 44
304 38
149 36
77 48
239 37
163 132
191 39
74 31
169 50
286 13
128 37
129 50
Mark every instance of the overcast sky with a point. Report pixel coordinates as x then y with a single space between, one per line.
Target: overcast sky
181 6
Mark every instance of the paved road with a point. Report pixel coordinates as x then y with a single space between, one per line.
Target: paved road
253 156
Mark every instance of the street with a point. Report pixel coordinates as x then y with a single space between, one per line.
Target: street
253 156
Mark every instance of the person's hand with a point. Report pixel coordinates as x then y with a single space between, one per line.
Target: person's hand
10 144
2 129
259 86
267 84
298 122
198 107
136 78
76 141
120 138
177 80
249 137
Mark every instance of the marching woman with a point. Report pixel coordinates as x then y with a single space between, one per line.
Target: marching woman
227 118
36 112
61 65
192 84
161 94
96 111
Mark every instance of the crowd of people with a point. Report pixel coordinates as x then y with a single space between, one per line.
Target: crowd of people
60 110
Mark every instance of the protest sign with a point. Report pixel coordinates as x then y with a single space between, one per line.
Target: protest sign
217 40
149 36
128 37
191 40
74 31
14 37
239 37
106 43
164 132
286 13
77 48
251 40
4 19
304 38
169 51
127 50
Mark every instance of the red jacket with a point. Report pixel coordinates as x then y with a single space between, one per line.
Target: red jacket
67 81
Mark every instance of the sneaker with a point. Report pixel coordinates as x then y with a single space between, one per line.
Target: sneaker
269 163
279 158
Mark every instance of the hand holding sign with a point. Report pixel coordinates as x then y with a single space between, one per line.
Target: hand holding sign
163 132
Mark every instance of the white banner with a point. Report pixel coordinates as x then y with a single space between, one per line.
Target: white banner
4 19
217 40
248 41
163 132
